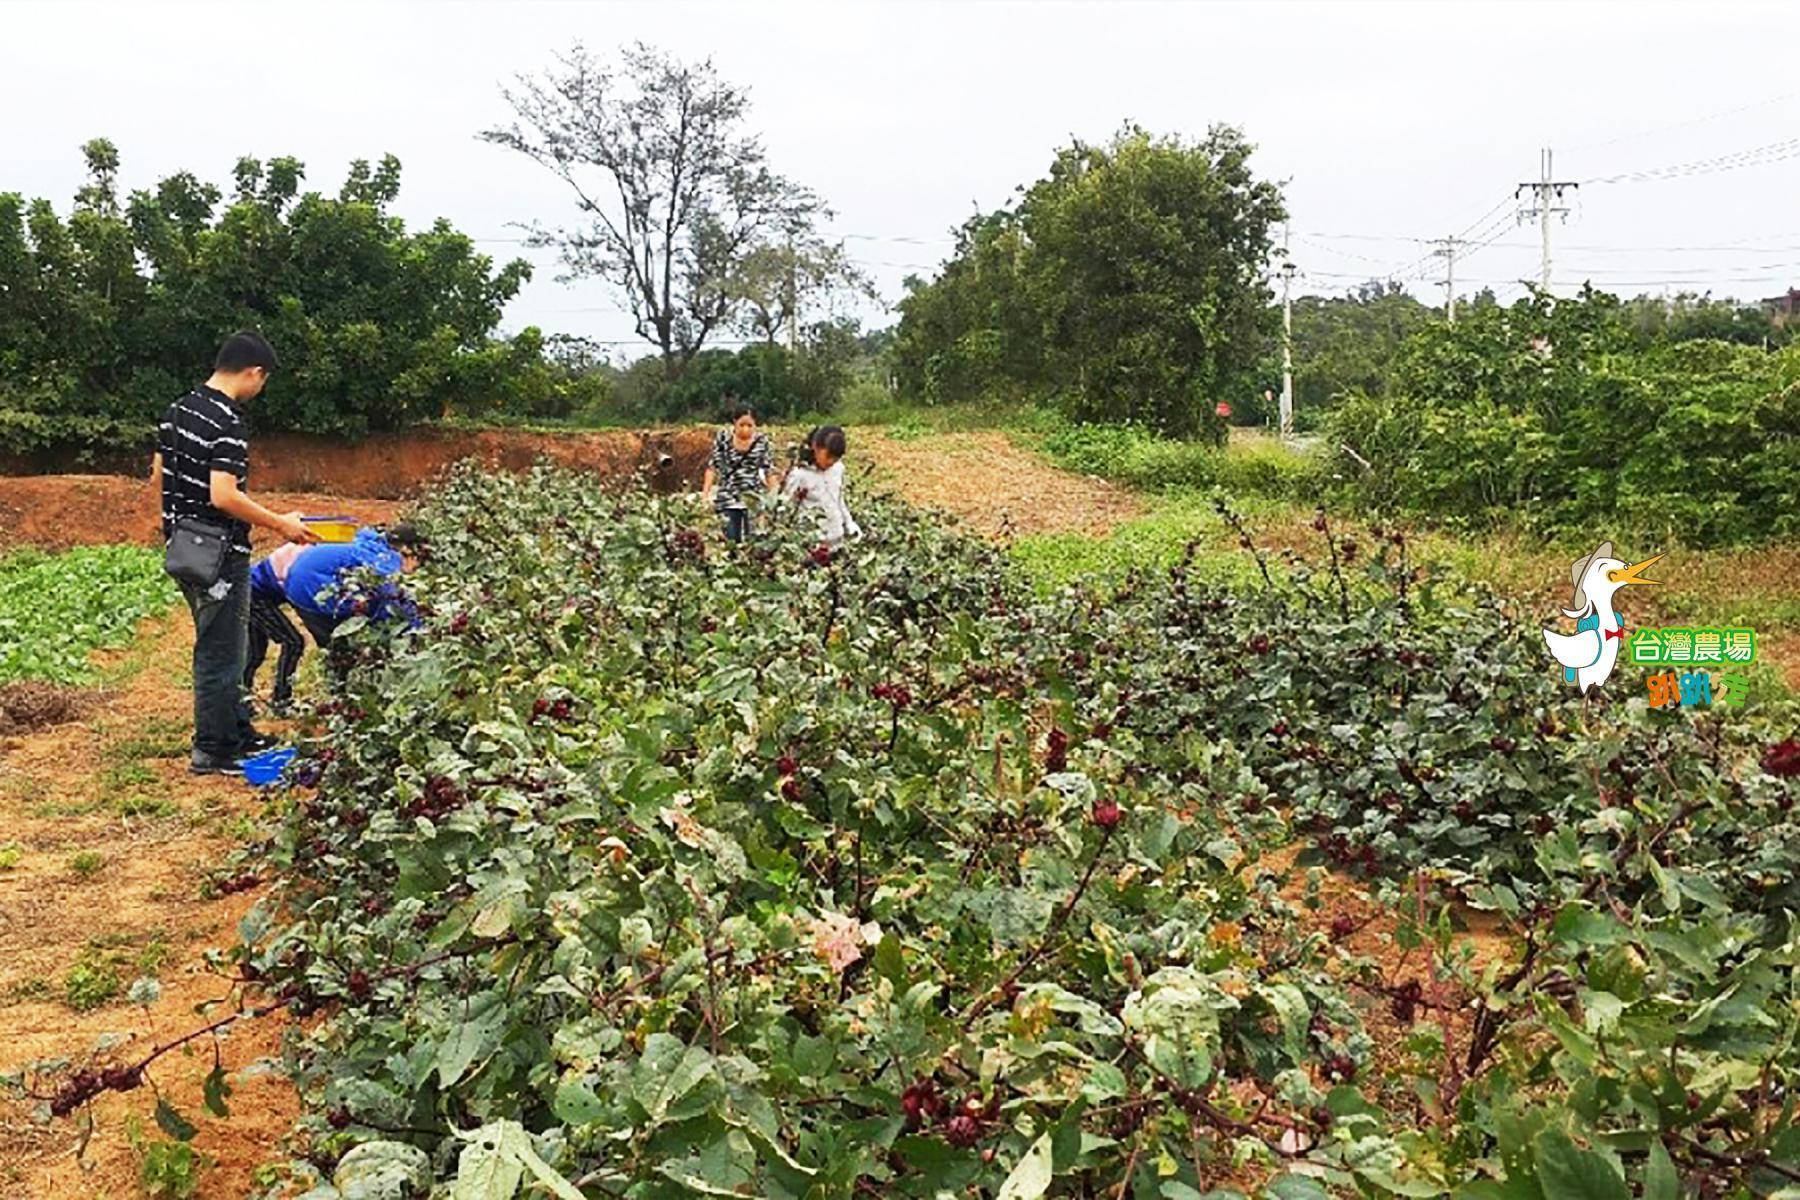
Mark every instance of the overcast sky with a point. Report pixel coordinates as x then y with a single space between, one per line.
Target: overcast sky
1389 122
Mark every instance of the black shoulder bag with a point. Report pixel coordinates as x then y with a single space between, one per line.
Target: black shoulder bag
196 552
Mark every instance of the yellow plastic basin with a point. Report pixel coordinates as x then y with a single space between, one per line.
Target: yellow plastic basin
332 529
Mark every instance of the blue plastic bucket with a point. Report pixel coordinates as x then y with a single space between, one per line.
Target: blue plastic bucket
265 768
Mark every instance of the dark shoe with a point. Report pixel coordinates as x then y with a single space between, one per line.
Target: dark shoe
256 743
211 764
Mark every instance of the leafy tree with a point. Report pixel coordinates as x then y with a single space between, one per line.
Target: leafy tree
779 383
1689 316
1129 284
1345 344
1549 412
680 208
106 316
777 281
972 333
1148 264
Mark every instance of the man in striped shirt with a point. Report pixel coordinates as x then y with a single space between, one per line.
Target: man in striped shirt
202 463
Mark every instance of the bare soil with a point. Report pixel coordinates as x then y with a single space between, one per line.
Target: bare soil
111 842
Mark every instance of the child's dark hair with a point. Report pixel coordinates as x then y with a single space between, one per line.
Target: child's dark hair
829 438
244 350
404 537
736 409
803 449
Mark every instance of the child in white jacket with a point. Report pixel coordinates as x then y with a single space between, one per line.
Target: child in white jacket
816 484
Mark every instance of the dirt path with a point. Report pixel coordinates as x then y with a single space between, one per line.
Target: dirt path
993 484
110 842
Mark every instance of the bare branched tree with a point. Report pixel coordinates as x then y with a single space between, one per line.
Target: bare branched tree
673 192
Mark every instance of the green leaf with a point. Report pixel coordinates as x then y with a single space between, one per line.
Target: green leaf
890 962
172 1122
495 1162
214 1090
1177 1014
1289 1003
1567 1172
1297 1187
1030 1178
1660 1180
813 1056
1104 1082
467 1043
484 1172
576 1102
1601 1011
1585 927
668 1070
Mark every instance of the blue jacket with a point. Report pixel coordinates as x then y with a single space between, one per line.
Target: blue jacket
318 568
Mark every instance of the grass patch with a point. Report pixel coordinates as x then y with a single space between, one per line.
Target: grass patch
138 804
56 609
87 863
98 976
1250 464
10 854
127 775
157 737
66 808
32 987
154 956
91 982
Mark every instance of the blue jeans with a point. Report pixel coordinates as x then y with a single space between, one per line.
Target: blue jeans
737 524
221 646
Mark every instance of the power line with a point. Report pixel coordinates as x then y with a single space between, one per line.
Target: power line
1756 156
1687 124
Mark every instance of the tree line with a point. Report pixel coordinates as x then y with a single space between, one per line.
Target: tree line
1129 284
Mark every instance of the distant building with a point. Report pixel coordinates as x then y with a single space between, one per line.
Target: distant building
1784 308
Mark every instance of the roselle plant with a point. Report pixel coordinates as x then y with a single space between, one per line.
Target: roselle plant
649 866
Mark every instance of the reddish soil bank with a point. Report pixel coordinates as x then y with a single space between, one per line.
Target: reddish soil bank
366 480
395 466
55 512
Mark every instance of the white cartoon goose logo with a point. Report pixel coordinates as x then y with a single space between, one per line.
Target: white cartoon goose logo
1589 654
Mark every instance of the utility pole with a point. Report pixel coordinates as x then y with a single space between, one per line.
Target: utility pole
1287 339
1447 251
1546 192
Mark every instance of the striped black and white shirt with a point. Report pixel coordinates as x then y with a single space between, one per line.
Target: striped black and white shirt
739 473
201 433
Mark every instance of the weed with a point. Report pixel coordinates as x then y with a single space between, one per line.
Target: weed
156 737
87 863
90 983
10 854
166 1170
137 804
127 776
32 987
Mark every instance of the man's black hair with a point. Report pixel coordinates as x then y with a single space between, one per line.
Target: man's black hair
244 350
829 438
406 537
737 408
